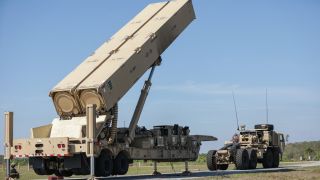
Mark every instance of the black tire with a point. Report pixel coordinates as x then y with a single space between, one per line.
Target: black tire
233 151
212 160
104 164
222 166
242 159
276 158
49 171
58 173
66 173
253 159
40 171
121 164
85 166
80 171
267 161
40 166
77 171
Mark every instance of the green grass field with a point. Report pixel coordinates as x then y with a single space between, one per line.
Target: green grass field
147 168
310 173
135 169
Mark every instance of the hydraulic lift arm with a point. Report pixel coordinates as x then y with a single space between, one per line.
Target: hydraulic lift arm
142 99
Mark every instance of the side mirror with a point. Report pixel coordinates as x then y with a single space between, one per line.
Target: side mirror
287 137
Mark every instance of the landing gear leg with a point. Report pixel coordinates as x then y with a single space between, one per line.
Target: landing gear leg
186 172
92 166
155 171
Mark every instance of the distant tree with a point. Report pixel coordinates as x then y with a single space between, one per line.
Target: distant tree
309 151
293 151
201 158
1 159
317 156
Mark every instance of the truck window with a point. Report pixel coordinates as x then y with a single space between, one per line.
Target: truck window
281 138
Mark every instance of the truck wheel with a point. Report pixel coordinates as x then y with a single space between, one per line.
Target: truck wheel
85 166
40 172
223 166
252 158
57 173
242 159
77 171
40 166
121 164
104 164
212 160
64 173
276 158
81 171
267 161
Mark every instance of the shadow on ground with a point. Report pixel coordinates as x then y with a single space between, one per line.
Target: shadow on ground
202 174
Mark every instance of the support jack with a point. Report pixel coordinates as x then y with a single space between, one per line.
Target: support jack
186 172
155 169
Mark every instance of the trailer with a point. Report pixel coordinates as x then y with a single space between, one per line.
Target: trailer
85 139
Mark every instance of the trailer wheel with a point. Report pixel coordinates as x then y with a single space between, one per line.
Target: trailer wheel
253 159
121 164
267 161
85 166
212 160
57 173
63 173
222 166
276 158
242 159
77 171
104 164
40 171
40 166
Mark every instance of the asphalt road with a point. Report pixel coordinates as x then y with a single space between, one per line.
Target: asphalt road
202 174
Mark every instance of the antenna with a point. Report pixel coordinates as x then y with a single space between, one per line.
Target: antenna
267 110
235 109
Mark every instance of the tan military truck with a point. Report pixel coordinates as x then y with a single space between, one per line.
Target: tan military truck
249 147
86 102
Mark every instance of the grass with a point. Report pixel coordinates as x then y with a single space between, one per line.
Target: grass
147 168
310 173
135 169
24 173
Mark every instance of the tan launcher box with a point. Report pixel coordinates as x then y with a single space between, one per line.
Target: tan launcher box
104 77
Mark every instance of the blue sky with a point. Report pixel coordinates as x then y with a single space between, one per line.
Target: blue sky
245 46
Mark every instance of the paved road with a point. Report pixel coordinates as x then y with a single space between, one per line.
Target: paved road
198 174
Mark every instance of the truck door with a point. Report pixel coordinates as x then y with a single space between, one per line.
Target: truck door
282 143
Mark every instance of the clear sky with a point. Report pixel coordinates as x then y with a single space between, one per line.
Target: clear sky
245 46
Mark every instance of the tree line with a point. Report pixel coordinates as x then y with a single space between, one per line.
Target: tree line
302 151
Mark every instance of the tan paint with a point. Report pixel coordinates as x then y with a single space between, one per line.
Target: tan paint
270 139
73 128
8 136
118 64
102 79
68 85
41 132
40 147
91 128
